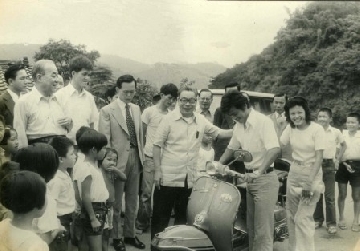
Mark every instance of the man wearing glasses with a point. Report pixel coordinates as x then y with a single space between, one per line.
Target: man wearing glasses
205 100
176 147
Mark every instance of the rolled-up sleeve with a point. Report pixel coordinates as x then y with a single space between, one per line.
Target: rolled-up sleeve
269 135
162 133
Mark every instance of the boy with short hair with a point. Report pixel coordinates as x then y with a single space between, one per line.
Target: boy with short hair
62 189
334 144
349 171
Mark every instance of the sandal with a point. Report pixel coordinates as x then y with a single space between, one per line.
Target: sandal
331 230
355 228
342 225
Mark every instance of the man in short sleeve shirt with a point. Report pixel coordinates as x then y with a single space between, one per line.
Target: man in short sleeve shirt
255 133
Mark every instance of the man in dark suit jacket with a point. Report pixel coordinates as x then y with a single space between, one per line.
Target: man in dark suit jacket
16 77
121 123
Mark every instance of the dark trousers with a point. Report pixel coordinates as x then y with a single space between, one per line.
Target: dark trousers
165 198
328 167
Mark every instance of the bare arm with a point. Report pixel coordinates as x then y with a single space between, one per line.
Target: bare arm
225 133
86 200
144 130
270 156
315 169
157 163
227 155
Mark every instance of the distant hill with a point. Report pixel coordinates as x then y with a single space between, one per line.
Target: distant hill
158 73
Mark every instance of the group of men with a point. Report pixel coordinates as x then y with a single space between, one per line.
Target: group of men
160 144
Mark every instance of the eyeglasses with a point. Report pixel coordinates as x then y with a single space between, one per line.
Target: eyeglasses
188 100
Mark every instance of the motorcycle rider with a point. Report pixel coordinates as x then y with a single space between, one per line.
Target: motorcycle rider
255 133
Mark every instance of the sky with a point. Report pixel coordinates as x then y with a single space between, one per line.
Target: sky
168 31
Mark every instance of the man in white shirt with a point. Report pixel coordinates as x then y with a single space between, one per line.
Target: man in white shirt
38 116
255 133
77 103
16 78
334 146
151 118
205 100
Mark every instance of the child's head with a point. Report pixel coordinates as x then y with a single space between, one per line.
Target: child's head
324 116
80 132
10 141
353 121
65 150
2 127
207 139
23 192
110 158
91 142
8 167
40 158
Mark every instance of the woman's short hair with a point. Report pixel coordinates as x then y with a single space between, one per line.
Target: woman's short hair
297 101
91 139
40 158
7 134
22 191
233 99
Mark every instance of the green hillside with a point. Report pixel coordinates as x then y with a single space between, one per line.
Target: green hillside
316 55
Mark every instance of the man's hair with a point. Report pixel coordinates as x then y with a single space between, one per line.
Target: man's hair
12 71
40 158
327 110
22 191
297 101
235 100
280 95
61 144
189 89
205 90
232 84
169 89
156 98
39 67
80 62
80 132
7 135
354 115
125 79
91 139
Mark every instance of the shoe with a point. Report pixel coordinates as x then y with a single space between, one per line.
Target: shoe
318 225
342 225
134 242
331 230
119 245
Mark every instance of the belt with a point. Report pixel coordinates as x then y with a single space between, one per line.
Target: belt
328 160
99 204
302 163
269 170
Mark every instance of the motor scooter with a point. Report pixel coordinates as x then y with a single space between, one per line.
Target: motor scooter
212 222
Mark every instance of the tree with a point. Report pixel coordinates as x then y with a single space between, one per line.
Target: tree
145 91
61 52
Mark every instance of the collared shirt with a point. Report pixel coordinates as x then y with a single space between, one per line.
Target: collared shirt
152 116
62 189
36 116
352 151
180 140
332 140
80 107
305 142
257 136
207 114
13 95
122 106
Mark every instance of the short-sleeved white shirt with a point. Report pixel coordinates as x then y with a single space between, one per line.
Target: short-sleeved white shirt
305 142
15 239
62 189
352 151
257 136
333 137
48 221
98 190
205 155
152 117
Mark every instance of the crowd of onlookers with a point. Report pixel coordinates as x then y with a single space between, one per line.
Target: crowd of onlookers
67 167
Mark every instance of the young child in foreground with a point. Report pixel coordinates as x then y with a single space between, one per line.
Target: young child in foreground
62 189
22 192
110 173
92 188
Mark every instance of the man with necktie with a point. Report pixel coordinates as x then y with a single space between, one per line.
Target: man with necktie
121 122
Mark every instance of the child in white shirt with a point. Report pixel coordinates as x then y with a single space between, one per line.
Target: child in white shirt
22 192
206 153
